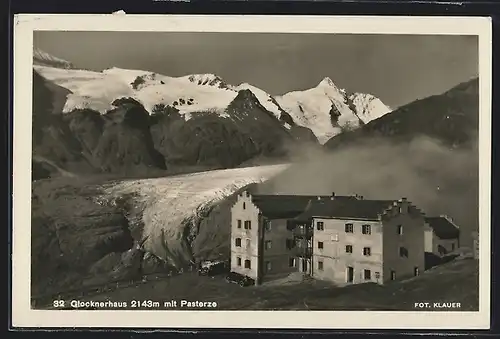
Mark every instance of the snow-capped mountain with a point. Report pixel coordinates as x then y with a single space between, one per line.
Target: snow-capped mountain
45 59
325 109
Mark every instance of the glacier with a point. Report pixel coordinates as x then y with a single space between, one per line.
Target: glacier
165 206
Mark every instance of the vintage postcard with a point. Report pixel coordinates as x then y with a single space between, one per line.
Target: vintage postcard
251 172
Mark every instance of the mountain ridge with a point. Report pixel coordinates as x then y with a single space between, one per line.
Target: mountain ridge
200 93
451 117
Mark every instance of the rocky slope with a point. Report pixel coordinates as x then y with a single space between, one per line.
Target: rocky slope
451 117
127 140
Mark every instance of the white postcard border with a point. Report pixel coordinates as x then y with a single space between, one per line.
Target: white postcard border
24 316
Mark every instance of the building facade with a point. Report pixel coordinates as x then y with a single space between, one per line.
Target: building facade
347 250
260 236
264 239
367 241
245 246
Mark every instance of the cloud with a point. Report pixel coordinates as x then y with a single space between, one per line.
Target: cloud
436 178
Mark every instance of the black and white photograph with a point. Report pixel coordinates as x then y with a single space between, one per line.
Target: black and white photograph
192 169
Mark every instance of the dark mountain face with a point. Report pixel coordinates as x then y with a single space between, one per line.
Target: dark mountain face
207 139
84 141
451 117
127 140
54 145
126 145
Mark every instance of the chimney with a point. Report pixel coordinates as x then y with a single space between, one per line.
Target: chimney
333 194
332 197
449 219
404 199
319 198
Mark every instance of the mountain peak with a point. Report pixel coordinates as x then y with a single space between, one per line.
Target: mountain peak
326 82
207 79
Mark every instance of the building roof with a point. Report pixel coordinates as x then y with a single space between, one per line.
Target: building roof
346 209
278 206
443 228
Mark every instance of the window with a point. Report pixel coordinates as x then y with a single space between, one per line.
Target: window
247 194
377 275
248 243
248 264
268 244
320 226
298 243
400 229
416 271
320 265
320 245
368 275
248 225
367 251
452 247
268 266
367 229
237 242
239 223
403 252
267 225
244 205
238 261
291 262
349 228
393 275
290 244
348 249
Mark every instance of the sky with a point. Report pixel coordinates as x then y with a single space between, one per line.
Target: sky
398 69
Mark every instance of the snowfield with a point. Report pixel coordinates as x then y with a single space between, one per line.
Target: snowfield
168 205
368 106
97 90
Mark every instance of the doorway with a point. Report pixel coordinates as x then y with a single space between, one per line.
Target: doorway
350 274
393 275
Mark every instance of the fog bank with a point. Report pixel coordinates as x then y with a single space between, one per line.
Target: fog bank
436 178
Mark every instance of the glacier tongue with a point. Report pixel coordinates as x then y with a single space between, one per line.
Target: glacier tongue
167 204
